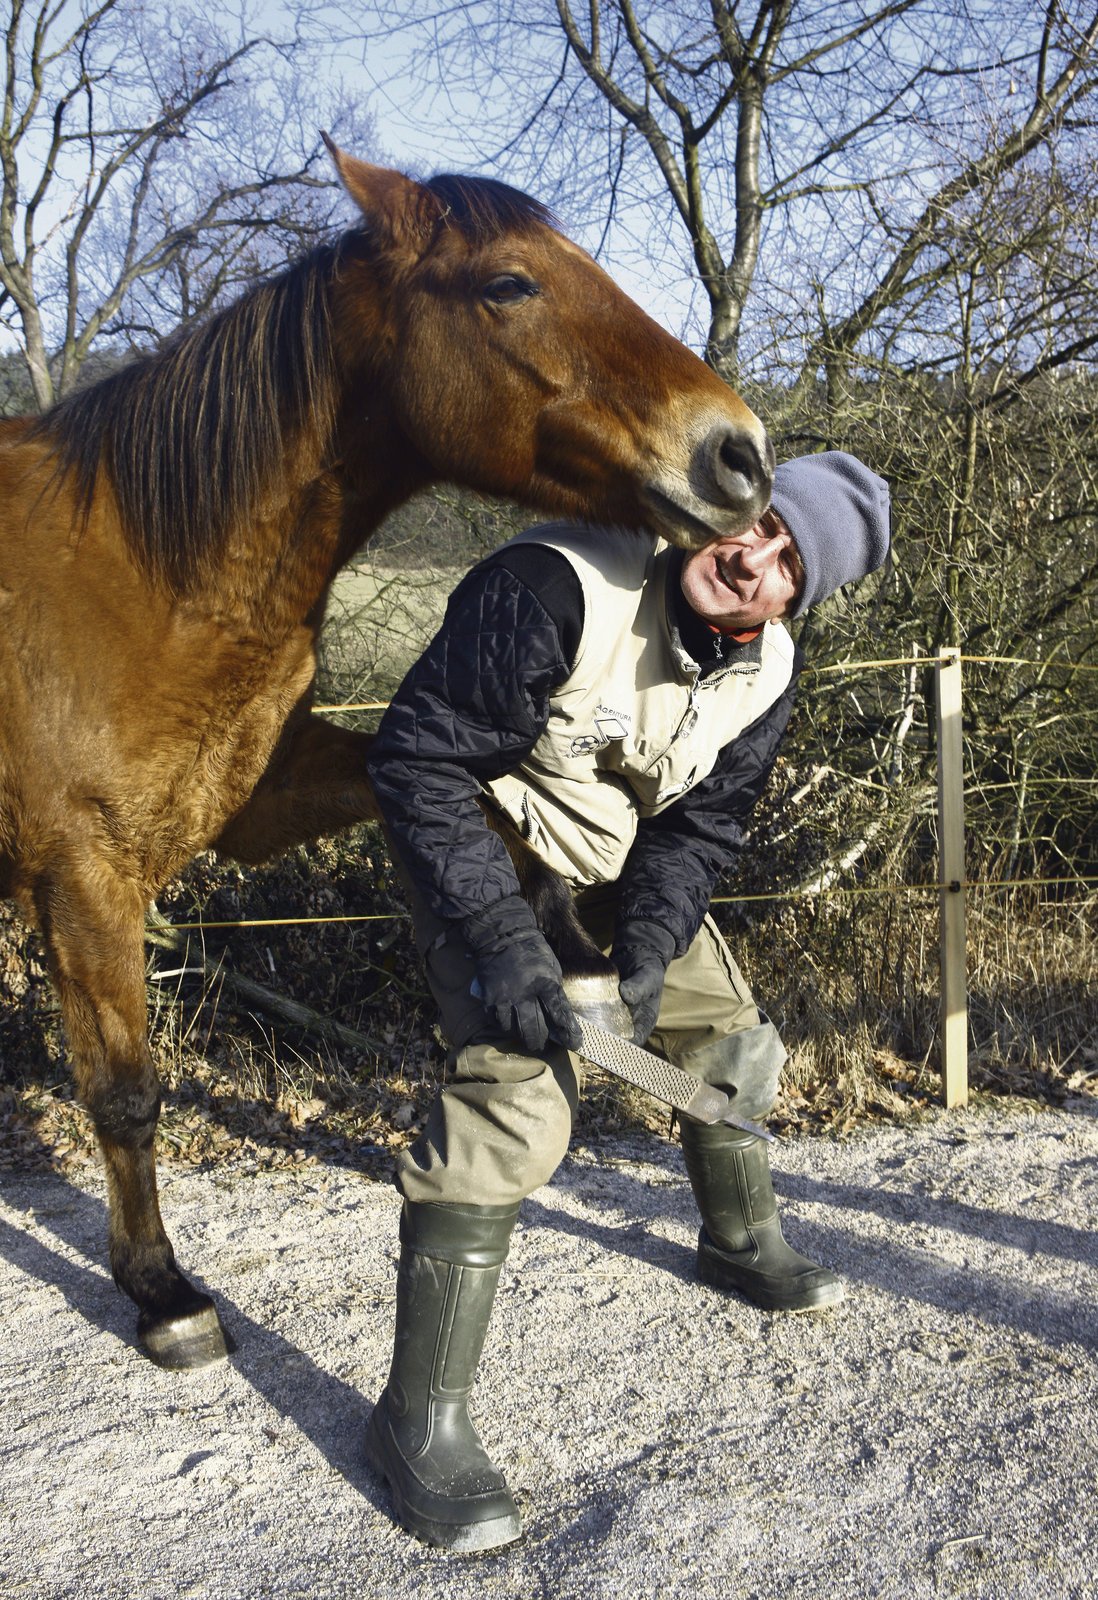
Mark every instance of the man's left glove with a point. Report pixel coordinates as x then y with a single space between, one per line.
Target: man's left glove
642 952
518 977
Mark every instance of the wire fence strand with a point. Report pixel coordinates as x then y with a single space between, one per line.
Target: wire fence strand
800 893
718 900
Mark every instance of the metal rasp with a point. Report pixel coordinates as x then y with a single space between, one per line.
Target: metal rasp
643 1068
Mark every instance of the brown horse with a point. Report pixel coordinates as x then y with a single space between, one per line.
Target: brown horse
168 538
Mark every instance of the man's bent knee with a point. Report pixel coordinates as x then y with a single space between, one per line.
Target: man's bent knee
746 1065
497 1132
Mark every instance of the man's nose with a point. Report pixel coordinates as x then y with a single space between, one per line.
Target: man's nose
753 556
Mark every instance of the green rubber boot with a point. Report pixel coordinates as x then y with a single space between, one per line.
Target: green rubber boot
741 1246
444 1487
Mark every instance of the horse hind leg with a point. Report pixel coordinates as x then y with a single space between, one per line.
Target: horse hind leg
95 942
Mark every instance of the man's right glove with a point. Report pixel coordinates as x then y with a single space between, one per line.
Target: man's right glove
642 953
518 978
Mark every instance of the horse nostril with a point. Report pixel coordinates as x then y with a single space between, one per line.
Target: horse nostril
743 466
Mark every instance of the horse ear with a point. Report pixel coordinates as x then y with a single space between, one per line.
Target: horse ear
394 204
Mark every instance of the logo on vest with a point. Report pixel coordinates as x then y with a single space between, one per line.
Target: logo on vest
609 725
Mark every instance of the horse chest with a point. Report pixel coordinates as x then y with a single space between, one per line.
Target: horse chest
236 744
201 746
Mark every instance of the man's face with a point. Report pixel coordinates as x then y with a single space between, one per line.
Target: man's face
737 584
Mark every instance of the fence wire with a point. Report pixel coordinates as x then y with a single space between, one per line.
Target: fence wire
801 893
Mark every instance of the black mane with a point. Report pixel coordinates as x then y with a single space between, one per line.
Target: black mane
191 435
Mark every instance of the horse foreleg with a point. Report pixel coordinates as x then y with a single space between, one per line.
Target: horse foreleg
550 899
93 928
316 784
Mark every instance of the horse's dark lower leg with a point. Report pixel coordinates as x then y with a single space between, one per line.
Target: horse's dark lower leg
96 950
177 1324
550 899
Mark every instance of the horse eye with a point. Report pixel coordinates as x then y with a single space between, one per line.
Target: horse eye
508 289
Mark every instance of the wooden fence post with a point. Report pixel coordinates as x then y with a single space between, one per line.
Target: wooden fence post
953 1027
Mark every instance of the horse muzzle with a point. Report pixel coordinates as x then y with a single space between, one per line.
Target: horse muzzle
723 491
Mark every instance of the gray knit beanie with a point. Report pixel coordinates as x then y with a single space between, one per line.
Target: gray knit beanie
838 513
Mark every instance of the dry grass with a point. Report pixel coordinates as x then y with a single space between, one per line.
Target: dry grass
853 983
1033 984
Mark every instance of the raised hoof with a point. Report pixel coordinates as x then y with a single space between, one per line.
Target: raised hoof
186 1342
467 1524
595 998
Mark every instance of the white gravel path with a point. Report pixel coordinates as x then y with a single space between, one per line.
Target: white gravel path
937 1435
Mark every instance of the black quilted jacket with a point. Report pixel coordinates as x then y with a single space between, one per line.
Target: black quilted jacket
474 705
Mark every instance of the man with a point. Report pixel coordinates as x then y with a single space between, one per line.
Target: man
624 704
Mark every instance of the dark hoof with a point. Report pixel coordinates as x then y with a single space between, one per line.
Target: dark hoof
583 964
186 1342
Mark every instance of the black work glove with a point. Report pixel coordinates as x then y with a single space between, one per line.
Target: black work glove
642 952
518 976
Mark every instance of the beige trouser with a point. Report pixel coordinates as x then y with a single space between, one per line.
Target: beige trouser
500 1127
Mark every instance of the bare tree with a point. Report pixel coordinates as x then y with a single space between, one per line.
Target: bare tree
150 160
981 412
809 156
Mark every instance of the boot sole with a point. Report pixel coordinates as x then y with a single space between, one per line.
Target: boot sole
721 1275
464 1538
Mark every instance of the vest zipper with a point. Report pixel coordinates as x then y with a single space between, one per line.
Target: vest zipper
687 723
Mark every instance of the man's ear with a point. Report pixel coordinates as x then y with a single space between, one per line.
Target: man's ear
400 211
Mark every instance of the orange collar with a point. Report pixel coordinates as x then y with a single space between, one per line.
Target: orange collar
740 638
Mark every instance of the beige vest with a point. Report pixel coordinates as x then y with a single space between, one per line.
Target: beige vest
634 726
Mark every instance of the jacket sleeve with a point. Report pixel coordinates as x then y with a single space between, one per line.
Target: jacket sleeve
679 854
471 708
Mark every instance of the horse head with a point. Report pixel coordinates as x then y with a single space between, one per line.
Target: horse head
517 366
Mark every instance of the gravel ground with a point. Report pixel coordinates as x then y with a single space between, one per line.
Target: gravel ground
937 1435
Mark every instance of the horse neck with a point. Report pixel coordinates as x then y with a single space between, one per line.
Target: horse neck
332 491
276 562
287 398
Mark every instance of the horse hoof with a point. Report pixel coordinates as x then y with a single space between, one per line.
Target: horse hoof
184 1343
595 998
